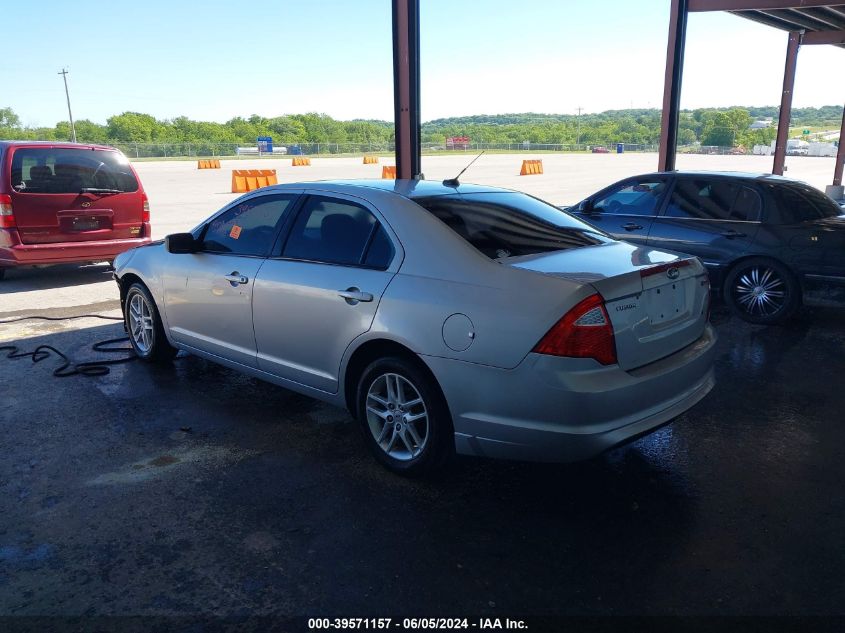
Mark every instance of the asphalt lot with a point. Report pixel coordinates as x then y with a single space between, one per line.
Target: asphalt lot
192 489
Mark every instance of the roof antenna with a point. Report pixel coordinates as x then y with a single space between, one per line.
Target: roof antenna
454 182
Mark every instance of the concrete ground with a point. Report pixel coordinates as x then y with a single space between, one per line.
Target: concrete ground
191 489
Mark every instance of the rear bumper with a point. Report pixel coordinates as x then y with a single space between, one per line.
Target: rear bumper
561 409
14 253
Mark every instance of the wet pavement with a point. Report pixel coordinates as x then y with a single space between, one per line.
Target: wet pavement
195 490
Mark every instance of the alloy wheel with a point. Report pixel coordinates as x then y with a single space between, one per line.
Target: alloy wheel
141 323
397 417
760 291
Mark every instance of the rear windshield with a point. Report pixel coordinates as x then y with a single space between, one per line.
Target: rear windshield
510 224
798 202
56 170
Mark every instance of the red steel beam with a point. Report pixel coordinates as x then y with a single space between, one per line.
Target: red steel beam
786 101
840 156
756 5
823 37
672 86
406 87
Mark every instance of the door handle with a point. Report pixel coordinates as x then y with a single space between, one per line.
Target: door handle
732 234
354 295
631 226
236 278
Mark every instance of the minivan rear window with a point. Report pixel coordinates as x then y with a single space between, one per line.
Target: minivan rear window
510 224
70 170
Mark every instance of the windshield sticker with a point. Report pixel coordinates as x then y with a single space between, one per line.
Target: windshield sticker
235 233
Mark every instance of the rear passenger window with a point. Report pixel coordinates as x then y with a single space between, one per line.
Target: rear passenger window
380 252
746 207
338 232
798 202
248 228
702 199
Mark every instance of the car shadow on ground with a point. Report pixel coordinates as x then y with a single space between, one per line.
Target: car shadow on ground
59 276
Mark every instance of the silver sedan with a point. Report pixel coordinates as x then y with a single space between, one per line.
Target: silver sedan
447 318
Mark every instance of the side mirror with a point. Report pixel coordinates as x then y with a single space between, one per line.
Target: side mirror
587 206
180 243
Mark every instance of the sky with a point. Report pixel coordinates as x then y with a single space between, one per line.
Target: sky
214 60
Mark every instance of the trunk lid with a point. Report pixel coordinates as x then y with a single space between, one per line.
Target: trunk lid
74 194
657 301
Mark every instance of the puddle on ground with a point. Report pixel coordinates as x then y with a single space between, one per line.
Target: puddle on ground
198 457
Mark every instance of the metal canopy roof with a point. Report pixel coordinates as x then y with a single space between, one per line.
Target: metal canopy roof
808 22
823 19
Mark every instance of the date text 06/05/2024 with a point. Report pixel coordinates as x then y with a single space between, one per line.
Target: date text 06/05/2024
415 624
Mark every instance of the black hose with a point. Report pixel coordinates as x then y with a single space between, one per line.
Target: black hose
67 318
69 368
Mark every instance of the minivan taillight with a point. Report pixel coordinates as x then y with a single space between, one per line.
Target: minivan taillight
7 218
583 332
145 210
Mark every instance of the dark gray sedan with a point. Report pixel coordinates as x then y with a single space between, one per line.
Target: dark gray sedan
769 243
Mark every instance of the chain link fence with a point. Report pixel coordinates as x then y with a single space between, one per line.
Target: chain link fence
234 150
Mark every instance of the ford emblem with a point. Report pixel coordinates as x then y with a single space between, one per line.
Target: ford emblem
673 273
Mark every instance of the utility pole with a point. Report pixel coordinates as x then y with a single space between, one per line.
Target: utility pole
578 119
63 73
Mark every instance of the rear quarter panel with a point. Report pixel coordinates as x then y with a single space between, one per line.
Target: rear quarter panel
508 315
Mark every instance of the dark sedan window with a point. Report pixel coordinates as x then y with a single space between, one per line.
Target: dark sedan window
747 205
510 224
702 199
799 203
634 198
248 228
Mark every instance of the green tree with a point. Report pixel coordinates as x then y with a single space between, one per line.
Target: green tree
133 127
8 119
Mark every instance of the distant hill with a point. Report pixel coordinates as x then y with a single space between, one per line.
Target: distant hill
708 126
825 115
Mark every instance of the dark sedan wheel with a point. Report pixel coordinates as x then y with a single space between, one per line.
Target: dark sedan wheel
762 291
146 332
404 417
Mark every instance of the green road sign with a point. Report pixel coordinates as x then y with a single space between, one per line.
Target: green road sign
806 131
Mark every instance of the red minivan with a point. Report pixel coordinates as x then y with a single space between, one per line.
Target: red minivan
68 202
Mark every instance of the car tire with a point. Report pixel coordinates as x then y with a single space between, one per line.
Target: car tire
762 291
144 326
404 417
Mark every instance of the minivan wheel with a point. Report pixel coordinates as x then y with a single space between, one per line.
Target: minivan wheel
143 323
762 291
404 417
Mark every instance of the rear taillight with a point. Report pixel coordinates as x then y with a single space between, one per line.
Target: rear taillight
145 210
7 218
584 332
